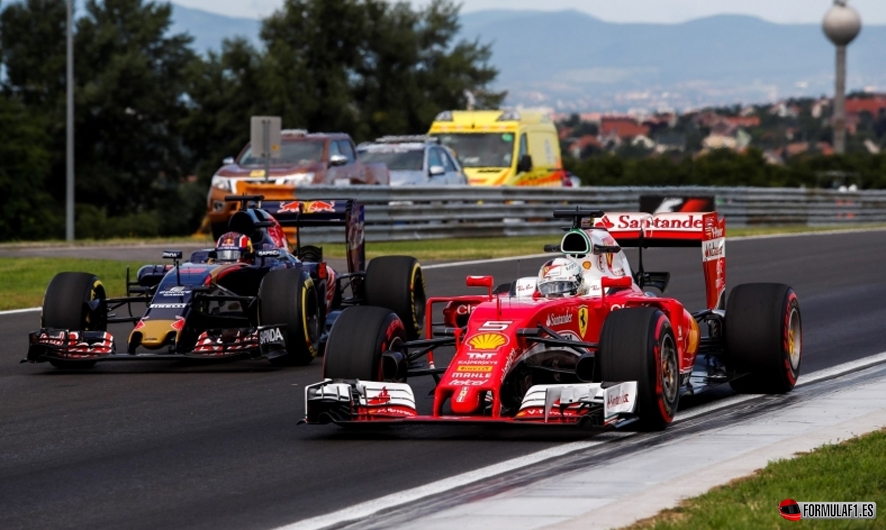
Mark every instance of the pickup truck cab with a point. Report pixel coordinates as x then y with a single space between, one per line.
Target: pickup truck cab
306 159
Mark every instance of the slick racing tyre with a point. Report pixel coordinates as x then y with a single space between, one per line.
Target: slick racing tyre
357 341
397 283
764 337
637 344
75 301
288 297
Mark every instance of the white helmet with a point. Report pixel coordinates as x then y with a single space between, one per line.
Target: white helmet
559 277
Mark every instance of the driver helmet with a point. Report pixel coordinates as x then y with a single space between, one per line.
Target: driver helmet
233 247
559 277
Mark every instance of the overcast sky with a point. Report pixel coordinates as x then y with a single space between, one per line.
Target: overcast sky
668 11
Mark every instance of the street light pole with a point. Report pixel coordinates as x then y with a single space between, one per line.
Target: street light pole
841 24
69 147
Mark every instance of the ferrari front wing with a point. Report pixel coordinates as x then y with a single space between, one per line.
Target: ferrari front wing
355 401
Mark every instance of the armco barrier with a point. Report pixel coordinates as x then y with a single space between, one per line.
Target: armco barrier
468 211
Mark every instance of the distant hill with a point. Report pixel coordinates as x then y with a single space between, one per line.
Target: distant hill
573 61
580 60
209 29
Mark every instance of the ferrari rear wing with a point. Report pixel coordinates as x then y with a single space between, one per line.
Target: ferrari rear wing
670 229
686 229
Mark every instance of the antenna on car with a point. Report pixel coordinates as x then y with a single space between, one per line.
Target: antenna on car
578 215
244 200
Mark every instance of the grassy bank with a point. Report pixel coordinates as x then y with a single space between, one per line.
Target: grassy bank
24 280
852 471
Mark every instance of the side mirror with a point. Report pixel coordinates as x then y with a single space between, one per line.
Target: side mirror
481 281
524 164
338 160
436 171
228 160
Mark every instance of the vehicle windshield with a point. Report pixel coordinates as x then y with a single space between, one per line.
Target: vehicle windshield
481 150
399 160
297 152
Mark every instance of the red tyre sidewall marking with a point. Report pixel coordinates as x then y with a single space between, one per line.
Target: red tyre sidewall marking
390 335
659 388
789 369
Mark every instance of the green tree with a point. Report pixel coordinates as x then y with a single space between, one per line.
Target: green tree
28 212
224 91
130 104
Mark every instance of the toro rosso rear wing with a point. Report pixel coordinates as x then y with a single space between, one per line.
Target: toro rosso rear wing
705 230
348 213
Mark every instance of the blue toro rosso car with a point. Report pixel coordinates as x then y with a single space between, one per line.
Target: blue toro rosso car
251 296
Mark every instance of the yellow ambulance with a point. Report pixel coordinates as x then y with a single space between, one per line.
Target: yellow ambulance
503 147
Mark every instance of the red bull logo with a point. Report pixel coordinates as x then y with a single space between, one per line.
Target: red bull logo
307 207
318 206
290 207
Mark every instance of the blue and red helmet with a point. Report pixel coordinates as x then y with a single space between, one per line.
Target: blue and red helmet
233 247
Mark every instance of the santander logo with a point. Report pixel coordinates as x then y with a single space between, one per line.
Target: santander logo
637 221
612 401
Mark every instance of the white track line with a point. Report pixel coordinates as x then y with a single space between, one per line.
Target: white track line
481 261
365 509
17 311
814 377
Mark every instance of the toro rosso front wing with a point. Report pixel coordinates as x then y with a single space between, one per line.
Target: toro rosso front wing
68 345
370 402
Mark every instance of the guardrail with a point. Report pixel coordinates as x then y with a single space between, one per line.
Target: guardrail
472 211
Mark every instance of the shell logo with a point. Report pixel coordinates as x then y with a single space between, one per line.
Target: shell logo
487 341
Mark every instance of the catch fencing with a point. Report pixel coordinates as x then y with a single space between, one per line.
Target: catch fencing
410 213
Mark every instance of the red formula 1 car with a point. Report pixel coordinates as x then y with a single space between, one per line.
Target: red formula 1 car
583 343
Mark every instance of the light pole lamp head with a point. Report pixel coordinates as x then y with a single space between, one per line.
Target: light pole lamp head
841 24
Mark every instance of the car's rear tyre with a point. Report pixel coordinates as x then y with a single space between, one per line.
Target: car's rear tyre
764 337
357 341
70 303
397 283
288 297
637 344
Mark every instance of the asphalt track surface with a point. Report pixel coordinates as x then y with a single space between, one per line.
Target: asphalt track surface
176 445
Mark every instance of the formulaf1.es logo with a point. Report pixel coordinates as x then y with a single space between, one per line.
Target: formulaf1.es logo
790 510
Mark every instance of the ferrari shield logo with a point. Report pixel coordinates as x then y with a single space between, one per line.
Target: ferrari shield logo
582 321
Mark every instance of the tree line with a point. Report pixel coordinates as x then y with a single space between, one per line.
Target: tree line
151 113
724 167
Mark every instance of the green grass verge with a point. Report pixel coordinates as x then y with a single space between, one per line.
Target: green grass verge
25 279
853 471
